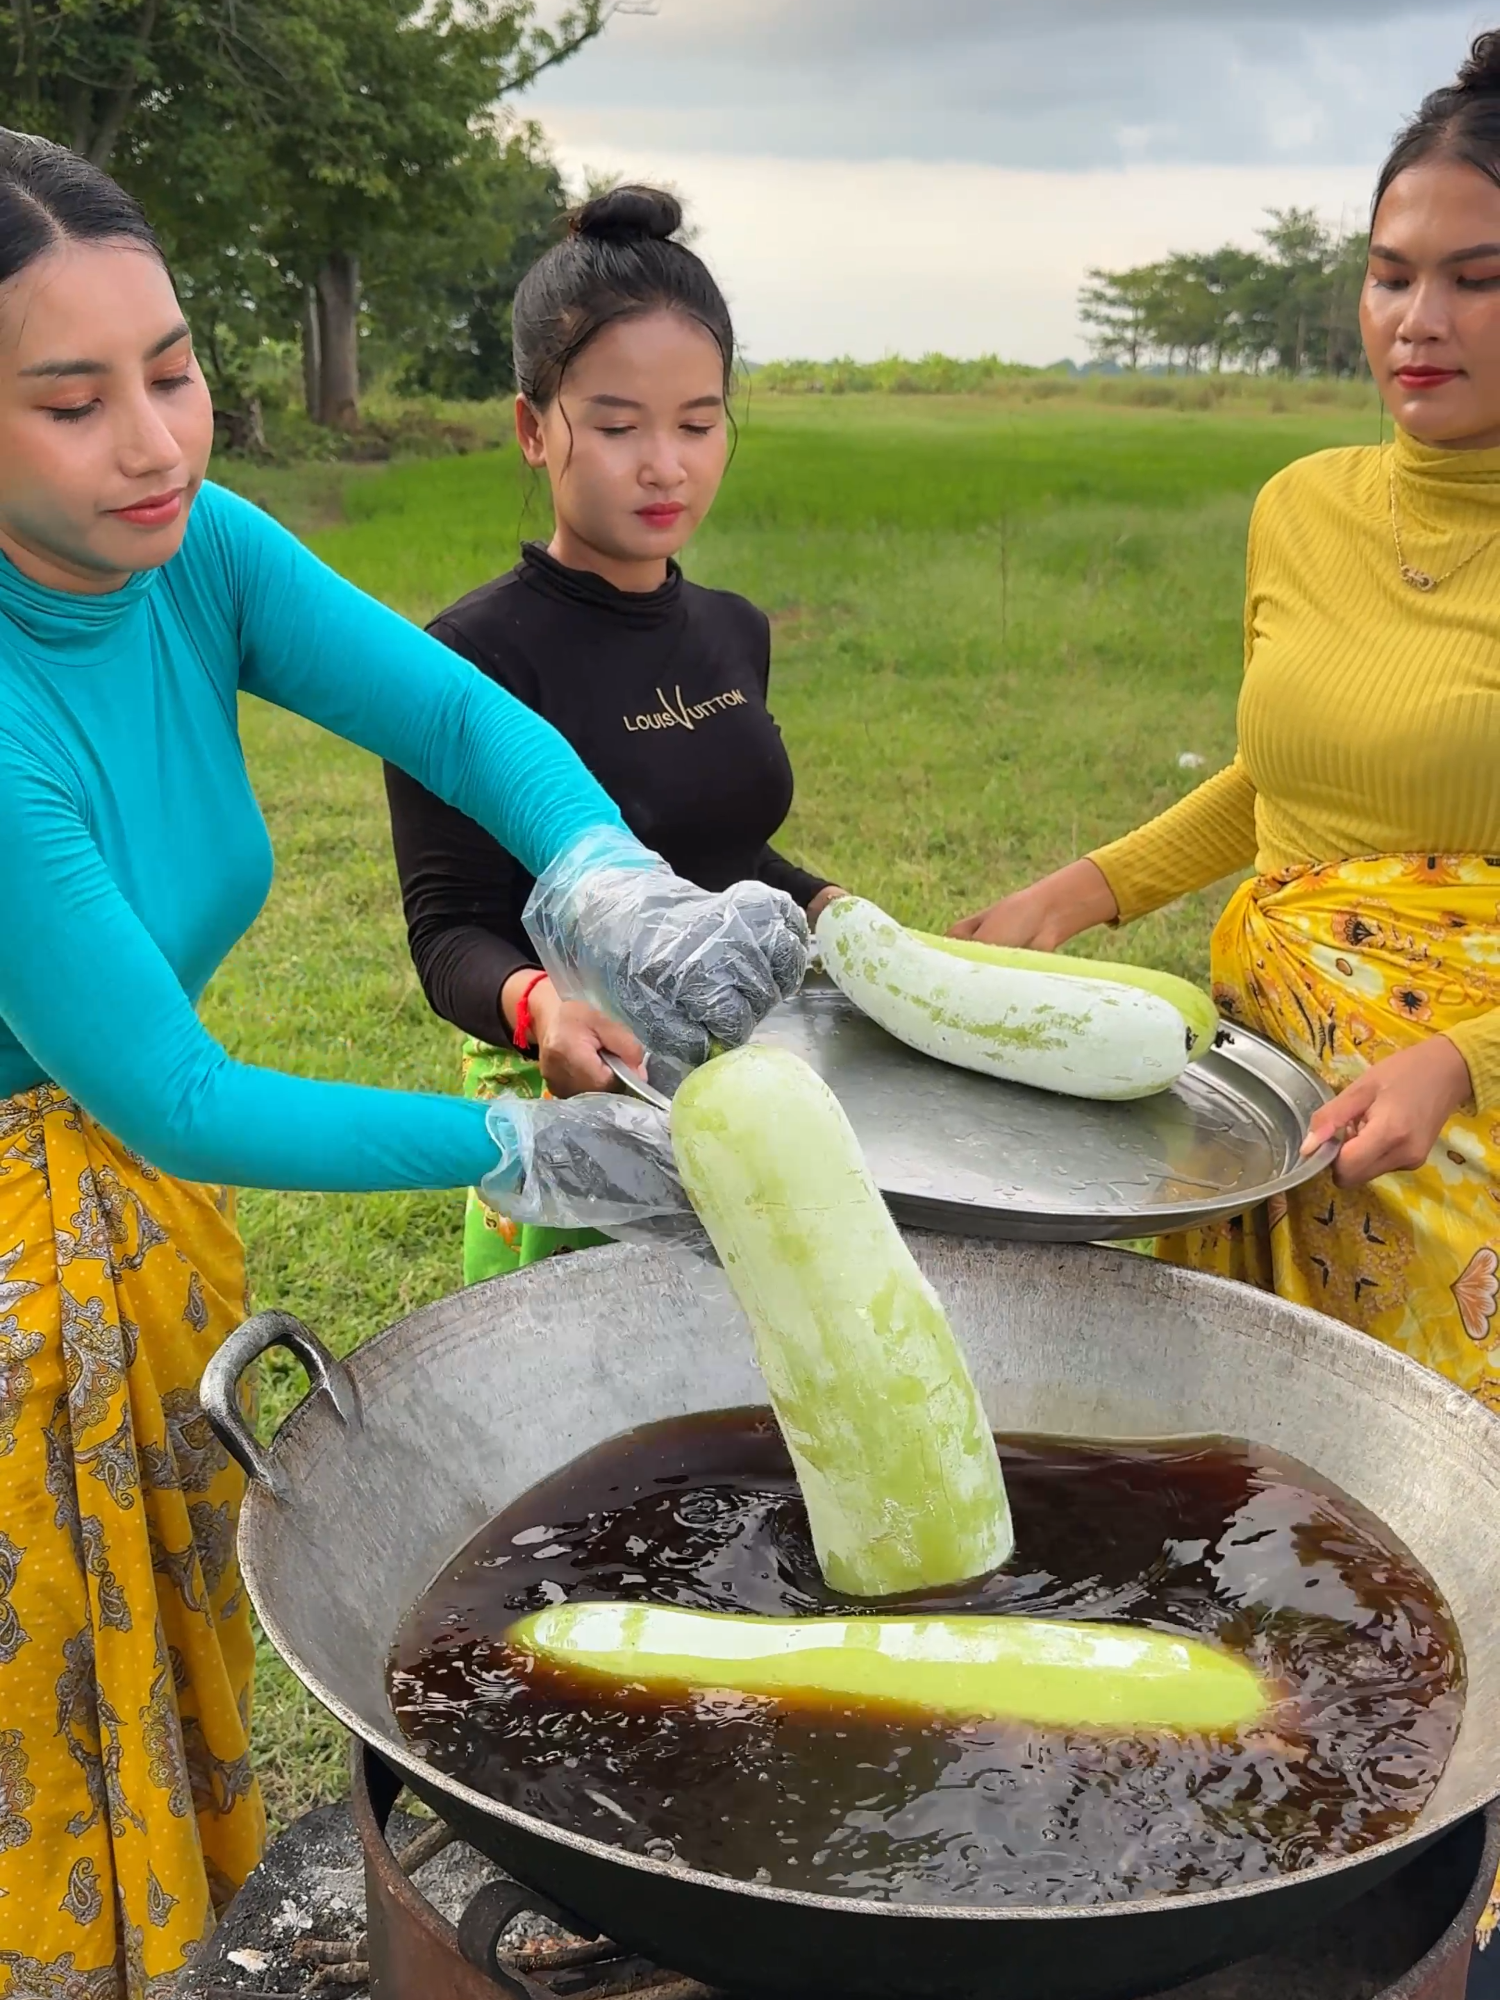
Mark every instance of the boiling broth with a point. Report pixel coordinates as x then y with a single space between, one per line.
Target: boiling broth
1218 1539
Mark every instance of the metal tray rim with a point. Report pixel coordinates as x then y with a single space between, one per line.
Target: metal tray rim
1013 1219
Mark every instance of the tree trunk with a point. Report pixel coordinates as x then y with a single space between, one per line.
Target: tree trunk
120 102
312 359
27 74
242 430
338 342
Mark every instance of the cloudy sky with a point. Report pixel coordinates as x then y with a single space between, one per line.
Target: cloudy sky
878 176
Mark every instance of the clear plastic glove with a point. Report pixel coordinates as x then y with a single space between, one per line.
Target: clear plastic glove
592 1162
681 967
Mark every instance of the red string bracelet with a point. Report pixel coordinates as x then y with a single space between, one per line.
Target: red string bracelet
523 1038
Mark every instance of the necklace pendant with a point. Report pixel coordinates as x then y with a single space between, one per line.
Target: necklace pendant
1417 578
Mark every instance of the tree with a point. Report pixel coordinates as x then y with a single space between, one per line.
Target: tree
389 132
83 71
1343 345
1300 250
284 146
443 300
197 161
1116 306
1185 314
1294 303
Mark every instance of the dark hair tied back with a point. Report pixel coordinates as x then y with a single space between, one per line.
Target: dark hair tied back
1459 122
1480 74
49 196
620 259
628 215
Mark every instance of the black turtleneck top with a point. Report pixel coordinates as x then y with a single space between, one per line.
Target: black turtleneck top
663 696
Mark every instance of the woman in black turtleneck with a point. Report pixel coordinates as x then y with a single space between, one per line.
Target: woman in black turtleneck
658 684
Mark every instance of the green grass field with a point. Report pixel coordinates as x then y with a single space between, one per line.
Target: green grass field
999 626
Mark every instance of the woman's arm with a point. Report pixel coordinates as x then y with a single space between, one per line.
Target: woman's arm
1207 835
1390 1120
312 643
685 967
809 892
1200 840
462 894
1204 837
87 993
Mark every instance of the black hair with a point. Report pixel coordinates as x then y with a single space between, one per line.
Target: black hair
1459 122
621 257
49 195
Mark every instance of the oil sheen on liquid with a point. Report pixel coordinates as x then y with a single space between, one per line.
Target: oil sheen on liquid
1219 1539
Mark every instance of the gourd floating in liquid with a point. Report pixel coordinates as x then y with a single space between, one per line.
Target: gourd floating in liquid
1053 1674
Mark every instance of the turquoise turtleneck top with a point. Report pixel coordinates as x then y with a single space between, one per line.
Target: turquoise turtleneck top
133 854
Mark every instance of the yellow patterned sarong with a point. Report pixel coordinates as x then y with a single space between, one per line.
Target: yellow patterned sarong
1343 965
128 1810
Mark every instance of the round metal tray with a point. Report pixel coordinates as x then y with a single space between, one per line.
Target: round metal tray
954 1151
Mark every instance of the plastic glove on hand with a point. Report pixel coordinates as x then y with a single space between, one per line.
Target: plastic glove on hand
591 1162
682 967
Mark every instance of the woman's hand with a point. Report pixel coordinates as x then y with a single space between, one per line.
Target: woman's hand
684 967
569 1038
1390 1119
596 1162
820 903
1047 913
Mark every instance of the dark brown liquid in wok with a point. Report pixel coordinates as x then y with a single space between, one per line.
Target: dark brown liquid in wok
1208 1537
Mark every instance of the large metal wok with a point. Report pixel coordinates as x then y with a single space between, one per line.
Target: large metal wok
399 1457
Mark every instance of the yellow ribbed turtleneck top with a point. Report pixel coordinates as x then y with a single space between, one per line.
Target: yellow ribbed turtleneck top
1369 715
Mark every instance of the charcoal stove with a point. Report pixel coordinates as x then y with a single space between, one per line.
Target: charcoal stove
1409 1939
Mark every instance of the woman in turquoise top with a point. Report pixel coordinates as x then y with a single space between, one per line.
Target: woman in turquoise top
136 602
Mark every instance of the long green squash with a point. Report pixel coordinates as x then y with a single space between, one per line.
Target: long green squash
897 1464
1112 1679
1071 1025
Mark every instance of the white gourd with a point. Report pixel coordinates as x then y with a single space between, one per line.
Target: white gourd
896 1461
1071 1025
1056 1674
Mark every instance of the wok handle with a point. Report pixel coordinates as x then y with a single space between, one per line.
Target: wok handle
219 1389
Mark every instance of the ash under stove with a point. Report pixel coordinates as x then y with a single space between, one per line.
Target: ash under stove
360 1900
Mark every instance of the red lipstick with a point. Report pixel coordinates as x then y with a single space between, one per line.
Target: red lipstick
661 514
160 510
1426 378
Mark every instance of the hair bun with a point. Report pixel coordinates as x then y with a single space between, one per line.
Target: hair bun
1480 75
628 215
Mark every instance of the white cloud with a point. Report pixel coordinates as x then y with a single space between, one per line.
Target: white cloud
825 257
892 175
1029 83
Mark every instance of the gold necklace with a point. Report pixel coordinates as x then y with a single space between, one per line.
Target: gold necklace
1421 579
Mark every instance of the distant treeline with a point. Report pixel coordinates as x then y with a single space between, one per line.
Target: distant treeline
1147 388
1291 307
932 375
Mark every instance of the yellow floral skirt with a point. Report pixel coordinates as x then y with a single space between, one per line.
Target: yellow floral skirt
1343 965
128 1810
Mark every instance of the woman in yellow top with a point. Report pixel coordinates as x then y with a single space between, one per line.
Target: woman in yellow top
1366 792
